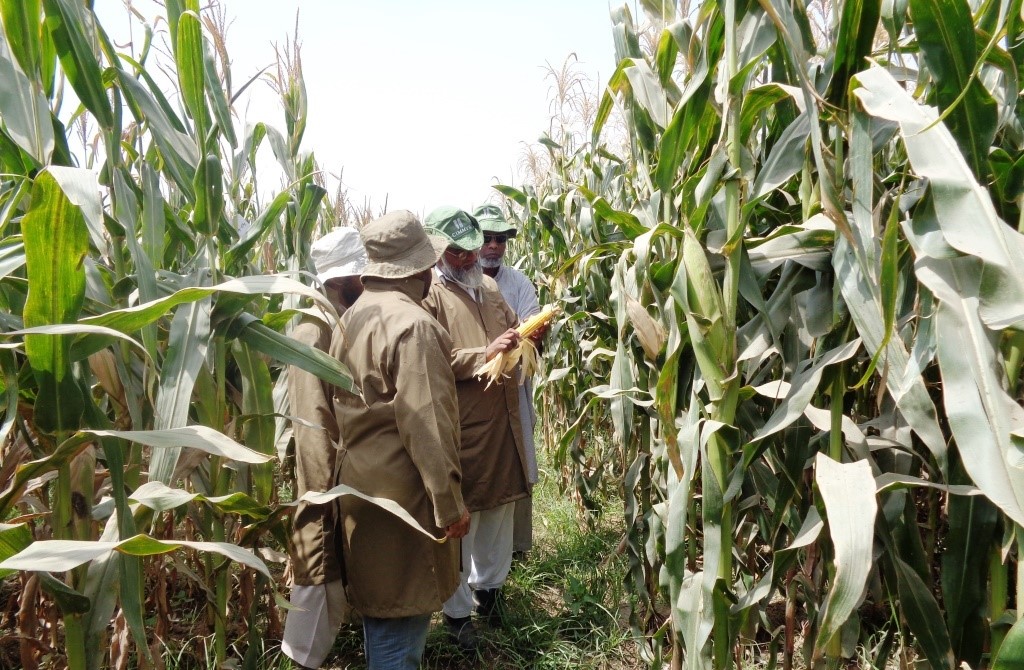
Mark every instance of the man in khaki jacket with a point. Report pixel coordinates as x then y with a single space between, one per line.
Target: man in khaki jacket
469 305
521 295
317 592
400 441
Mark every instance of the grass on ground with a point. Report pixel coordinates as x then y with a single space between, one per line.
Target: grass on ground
565 602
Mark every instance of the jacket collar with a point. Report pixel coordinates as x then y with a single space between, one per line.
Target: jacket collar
411 287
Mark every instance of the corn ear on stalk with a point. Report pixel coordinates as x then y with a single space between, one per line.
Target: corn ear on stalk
506 361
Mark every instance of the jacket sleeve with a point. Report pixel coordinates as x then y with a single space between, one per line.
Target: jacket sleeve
316 431
427 414
526 303
464 362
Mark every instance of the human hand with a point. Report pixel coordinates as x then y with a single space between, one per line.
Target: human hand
459 528
504 342
537 336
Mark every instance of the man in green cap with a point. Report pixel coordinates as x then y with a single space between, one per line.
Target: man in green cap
492 450
521 295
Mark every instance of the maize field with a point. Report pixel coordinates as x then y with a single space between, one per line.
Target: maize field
785 238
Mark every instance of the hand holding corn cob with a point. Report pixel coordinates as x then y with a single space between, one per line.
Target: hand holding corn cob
506 359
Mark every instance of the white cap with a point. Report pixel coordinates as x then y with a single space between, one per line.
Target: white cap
339 253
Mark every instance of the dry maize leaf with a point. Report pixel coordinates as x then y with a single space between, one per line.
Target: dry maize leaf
650 333
103 366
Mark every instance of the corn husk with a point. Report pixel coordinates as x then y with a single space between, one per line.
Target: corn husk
501 365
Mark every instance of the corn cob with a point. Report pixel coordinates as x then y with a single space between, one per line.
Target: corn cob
506 361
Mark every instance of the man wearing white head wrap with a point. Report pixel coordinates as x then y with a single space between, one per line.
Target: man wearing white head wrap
318 591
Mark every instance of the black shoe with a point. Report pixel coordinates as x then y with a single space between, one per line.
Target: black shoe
462 633
489 606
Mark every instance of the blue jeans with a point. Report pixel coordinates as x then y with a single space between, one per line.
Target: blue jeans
395 644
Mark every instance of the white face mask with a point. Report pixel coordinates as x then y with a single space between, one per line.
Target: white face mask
470 278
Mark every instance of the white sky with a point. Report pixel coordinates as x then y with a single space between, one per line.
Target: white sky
421 102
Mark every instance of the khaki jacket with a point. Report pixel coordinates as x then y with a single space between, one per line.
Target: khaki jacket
315 547
400 442
492 448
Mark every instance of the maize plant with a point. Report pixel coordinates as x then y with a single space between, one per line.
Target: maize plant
793 322
146 284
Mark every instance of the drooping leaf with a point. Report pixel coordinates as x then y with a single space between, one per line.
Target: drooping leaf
945 33
848 493
64 555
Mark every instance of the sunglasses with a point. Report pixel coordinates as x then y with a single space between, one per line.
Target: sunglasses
500 239
459 254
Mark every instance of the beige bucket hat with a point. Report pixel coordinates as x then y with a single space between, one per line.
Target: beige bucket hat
399 247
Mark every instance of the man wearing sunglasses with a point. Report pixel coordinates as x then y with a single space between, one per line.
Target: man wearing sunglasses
521 295
492 454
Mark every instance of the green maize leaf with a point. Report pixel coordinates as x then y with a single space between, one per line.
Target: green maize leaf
286 350
627 42
188 54
1011 651
891 481
850 505
648 92
965 569
202 438
153 221
759 100
981 414
13 538
89 340
218 96
21 19
945 34
9 370
854 41
923 616
513 194
161 498
964 210
115 579
56 243
617 84
83 191
266 221
132 319
180 154
24 109
209 188
665 57
71 27
64 555
909 391
802 387
786 158
189 340
679 135
321 498
68 600
258 403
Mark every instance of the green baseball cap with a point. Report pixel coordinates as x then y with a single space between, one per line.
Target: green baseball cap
493 221
458 226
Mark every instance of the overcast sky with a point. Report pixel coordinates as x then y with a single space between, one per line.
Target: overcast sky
424 103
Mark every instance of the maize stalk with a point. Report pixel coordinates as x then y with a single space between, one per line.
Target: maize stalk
525 351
